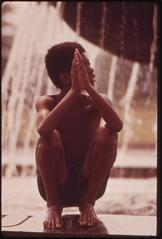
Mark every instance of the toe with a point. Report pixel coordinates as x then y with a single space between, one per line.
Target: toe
48 224
53 223
58 222
82 220
45 223
90 221
59 225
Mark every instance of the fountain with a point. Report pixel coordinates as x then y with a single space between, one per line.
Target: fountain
103 25
24 83
126 104
112 77
25 78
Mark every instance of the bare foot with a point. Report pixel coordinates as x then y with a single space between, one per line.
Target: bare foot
88 216
53 219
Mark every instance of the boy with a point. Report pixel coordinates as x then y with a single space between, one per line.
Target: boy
74 154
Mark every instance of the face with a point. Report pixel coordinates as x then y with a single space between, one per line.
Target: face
89 69
66 78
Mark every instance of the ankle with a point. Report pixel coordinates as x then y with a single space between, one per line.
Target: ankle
87 200
55 209
54 205
83 205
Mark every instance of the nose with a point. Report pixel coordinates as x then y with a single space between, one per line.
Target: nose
90 70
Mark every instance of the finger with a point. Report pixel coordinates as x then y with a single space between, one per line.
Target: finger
73 67
73 61
81 64
74 58
78 70
79 56
76 51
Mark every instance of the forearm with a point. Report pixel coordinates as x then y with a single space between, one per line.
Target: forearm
53 118
107 112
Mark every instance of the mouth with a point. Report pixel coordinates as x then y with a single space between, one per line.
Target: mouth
92 80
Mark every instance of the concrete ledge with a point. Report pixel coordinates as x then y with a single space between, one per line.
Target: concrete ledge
137 163
133 172
117 171
26 225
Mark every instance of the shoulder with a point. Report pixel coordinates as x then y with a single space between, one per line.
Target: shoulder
44 102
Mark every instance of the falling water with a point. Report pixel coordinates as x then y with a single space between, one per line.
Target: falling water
25 74
11 69
126 103
112 77
151 65
29 64
122 28
153 49
78 17
154 41
41 74
25 86
154 129
103 24
58 6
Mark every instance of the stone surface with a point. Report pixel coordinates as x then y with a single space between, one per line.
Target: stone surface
18 225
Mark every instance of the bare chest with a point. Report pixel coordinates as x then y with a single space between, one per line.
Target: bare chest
79 127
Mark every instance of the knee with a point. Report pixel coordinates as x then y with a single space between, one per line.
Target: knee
42 145
105 137
54 141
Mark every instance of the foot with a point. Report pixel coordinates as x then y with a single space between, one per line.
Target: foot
88 216
53 219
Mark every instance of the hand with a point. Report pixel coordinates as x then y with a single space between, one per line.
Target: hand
75 85
82 72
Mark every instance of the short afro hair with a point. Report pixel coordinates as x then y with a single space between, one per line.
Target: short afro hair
59 60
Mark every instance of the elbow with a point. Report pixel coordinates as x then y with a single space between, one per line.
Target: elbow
119 127
45 132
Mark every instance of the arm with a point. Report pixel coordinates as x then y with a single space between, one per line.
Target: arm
106 110
102 103
47 120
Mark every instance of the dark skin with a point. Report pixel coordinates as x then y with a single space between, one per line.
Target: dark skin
70 106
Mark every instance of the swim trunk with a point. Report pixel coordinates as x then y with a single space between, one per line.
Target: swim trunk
73 188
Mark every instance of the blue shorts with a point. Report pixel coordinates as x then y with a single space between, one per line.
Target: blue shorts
73 188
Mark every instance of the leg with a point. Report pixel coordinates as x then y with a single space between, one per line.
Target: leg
52 168
97 166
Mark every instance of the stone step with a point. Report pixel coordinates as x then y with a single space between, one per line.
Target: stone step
19 225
